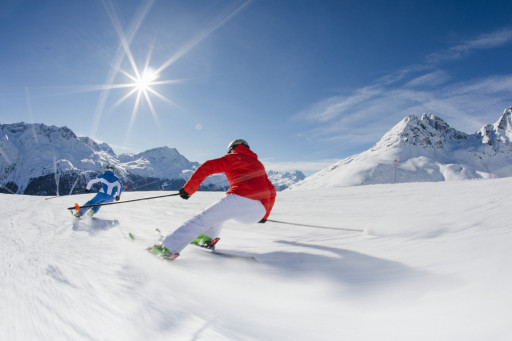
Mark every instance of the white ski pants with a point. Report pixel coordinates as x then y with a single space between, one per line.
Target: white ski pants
209 222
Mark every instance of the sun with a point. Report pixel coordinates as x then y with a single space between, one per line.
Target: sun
141 84
146 80
143 81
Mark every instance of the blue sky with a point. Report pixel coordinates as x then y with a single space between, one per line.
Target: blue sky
306 83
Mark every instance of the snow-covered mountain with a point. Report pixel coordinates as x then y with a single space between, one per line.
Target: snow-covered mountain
44 160
165 168
425 149
33 155
284 180
163 162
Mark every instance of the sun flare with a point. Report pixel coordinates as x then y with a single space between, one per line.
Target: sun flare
142 86
146 80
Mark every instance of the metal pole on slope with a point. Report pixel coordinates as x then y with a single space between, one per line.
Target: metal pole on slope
396 161
317 226
70 191
77 207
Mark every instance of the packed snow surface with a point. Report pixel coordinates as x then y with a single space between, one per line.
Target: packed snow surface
434 263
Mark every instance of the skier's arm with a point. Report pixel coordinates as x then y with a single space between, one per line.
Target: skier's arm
119 189
92 182
208 168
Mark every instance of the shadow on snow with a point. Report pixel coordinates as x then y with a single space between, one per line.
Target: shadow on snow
94 225
354 271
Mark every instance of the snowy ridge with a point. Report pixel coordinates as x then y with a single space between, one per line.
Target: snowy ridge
426 149
284 180
161 162
37 159
499 133
45 160
30 151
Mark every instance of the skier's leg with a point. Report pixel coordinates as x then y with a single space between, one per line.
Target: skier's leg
99 198
214 231
179 239
244 210
104 198
211 219
93 201
249 212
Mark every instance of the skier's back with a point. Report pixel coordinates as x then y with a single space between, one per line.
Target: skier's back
110 190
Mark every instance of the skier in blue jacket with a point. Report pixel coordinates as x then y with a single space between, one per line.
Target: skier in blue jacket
110 190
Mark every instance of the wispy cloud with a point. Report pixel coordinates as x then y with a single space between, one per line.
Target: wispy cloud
431 79
482 42
365 114
333 107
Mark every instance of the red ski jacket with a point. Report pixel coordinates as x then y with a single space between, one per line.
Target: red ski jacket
246 176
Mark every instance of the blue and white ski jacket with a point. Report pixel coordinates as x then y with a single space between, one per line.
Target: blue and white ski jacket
110 184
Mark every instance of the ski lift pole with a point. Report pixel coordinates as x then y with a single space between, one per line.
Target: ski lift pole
396 162
78 207
55 196
317 226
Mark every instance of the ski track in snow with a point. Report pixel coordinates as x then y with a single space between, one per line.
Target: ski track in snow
435 265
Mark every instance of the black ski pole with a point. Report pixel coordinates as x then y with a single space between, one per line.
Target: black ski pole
316 226
77 207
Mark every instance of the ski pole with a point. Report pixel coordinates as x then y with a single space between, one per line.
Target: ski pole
77 207
316 226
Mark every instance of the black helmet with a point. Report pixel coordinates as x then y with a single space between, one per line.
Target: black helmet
235 143
109 167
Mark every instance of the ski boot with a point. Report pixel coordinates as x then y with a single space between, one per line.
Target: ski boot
205 241
211 244
162 251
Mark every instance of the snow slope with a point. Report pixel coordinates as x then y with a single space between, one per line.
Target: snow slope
435 265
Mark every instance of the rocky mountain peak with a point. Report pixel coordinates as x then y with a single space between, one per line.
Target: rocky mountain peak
499 132
429 131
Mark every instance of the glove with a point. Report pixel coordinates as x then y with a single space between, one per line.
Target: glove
117 198
262 221
87 190
184 194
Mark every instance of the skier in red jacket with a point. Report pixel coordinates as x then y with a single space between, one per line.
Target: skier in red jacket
249 200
